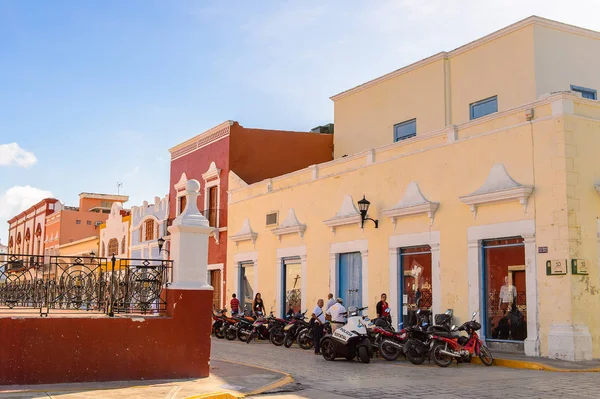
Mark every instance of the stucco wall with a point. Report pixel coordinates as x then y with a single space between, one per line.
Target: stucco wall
85 349
542 153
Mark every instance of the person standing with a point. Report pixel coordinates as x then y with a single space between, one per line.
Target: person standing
330 301
317 321
235 305
257 305
382 306
334 314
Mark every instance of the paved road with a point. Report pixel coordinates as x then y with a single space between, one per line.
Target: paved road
317 378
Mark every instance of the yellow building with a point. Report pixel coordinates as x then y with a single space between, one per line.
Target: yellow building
492 206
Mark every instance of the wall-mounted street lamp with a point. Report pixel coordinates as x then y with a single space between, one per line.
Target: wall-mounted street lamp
363 207
161 242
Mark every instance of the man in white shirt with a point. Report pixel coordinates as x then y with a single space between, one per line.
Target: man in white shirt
330 301
334 313
318 317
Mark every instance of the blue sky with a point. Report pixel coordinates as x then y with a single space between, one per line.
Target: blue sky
95 92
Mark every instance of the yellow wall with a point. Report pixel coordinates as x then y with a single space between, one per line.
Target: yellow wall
80 248
554 153
517 64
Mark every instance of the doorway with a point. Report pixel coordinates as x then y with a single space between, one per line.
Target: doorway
350 279
291 293
214 279
414 283
246 288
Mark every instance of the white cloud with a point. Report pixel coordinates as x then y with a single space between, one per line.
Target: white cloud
13 154
15 200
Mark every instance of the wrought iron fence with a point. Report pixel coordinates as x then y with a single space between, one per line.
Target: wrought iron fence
84 283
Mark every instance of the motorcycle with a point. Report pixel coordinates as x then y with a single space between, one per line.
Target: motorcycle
448 346
391 343
241 328
349 341
305 337
277 333
291 330
217 326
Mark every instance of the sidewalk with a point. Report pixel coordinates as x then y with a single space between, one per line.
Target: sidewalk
227 380
512 360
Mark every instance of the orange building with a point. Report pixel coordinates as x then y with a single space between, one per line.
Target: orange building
71 224
26 231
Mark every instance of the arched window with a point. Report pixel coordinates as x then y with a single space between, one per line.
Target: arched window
113 247
149 224
123 245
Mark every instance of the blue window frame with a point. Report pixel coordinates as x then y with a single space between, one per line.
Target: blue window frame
484 107
585 92
405 130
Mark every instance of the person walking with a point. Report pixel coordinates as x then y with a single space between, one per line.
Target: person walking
317 320
257 305
234 304
330 301
334 313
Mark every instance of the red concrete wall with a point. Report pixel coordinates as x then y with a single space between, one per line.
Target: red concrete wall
194 165
258 154
59 350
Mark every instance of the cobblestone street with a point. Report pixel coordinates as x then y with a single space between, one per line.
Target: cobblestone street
316 378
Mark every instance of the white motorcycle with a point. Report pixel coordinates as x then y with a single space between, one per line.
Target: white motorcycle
349 341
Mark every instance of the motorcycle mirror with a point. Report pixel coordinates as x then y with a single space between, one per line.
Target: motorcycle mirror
387 310
453 327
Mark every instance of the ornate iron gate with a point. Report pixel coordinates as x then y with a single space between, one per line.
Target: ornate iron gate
84 283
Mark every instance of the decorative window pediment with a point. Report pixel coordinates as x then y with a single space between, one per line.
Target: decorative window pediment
180 185
413 203
212 173
498 187
245 234
290 225
347 215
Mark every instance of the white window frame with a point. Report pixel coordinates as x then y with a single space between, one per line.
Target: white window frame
525 229
284 253
398 242
335 249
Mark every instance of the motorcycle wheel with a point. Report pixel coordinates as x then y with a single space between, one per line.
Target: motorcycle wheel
439 358
250 338
389 351
276 337
328 349
288 340
412 353
363 354
485 355
219 332
305 340
230 334
242 334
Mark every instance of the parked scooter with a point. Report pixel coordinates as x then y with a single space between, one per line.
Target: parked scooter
350 340
217 326
449 345
291 331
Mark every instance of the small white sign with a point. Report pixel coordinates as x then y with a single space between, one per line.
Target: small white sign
405 298
404 310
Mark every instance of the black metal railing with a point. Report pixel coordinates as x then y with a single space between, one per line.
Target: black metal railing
85 283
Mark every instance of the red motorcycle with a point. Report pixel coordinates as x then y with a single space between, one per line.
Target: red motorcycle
448 346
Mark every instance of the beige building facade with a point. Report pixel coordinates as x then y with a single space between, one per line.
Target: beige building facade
491 206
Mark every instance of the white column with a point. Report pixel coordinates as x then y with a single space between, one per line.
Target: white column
280 291
436 281
303 286
393 290
532 342
189 244
365 277
474 275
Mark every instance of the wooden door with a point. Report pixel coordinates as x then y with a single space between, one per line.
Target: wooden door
215 281
212 206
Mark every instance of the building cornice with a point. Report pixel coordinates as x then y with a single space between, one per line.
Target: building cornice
530 21
201 140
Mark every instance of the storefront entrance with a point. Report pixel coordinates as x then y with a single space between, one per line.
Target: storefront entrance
246 288
350 279
292 294
414 282
504 289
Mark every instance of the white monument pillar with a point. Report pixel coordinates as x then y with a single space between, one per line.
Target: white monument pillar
189 244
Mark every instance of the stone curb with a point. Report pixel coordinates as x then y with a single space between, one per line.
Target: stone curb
284 380
523 364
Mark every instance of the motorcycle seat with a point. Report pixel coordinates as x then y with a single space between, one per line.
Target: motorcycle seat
446 334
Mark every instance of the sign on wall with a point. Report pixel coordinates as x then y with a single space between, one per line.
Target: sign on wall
579 266
556 267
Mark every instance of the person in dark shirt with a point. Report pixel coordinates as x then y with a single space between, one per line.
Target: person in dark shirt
382 306
257 304
235 304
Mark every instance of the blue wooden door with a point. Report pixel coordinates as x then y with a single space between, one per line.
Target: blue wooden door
350 279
